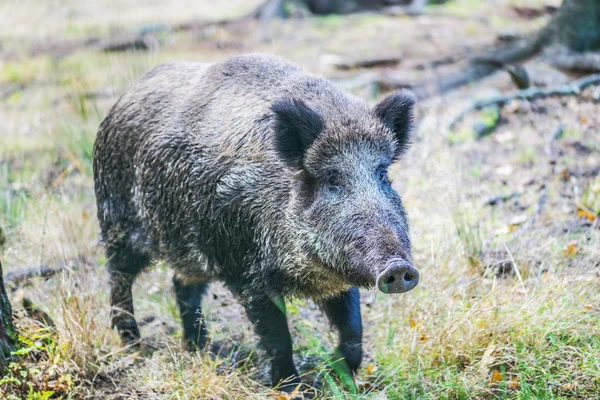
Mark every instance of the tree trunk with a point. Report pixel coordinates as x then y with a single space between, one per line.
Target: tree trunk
8 334
577 25
569 37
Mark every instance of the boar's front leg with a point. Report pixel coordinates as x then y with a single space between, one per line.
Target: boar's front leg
189 297
270 323
343 312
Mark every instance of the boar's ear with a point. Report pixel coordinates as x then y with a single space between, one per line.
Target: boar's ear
296 127
396 112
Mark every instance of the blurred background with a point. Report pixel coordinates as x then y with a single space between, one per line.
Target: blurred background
501 186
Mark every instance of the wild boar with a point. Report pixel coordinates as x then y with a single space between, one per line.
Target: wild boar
258 174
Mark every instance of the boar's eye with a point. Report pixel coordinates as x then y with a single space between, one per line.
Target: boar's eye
333 183
382 175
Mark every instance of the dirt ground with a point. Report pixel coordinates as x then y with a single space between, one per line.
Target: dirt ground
505 226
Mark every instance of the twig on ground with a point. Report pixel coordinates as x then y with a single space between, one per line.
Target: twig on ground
141 42
384 82
537 210
35 313
573 88
367 62
552 138
495 200
436 62
147 320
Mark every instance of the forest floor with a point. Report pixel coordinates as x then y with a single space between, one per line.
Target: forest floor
505 227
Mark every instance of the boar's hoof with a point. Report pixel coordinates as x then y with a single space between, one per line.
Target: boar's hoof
398 277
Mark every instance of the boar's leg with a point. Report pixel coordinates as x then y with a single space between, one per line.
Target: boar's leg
343 312
188 298
123 266
270 323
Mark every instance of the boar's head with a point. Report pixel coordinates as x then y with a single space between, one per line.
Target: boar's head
352 220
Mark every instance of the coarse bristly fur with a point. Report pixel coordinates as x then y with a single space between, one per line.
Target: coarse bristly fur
256 173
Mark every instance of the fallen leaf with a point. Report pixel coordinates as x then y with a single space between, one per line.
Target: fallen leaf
423 337
370 368
412 323
487 359
586 214
570 249
568 386
496 376
288 396
513 384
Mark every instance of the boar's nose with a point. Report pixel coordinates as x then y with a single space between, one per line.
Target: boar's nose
398 277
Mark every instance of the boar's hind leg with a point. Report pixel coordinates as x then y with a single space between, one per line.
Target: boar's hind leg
270 324
188 299
124 265
343 312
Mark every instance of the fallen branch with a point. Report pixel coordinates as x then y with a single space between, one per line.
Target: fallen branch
436 62
42 271
141 42
495 200
573 88
366 62
381 81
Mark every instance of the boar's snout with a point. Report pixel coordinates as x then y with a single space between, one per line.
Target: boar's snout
398 277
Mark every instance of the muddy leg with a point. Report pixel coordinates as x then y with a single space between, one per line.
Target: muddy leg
123 266
343 312
188 299
270 324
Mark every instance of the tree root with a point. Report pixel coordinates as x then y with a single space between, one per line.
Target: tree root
570 89
564 59
484 65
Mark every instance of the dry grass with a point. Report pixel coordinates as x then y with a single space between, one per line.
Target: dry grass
504 310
